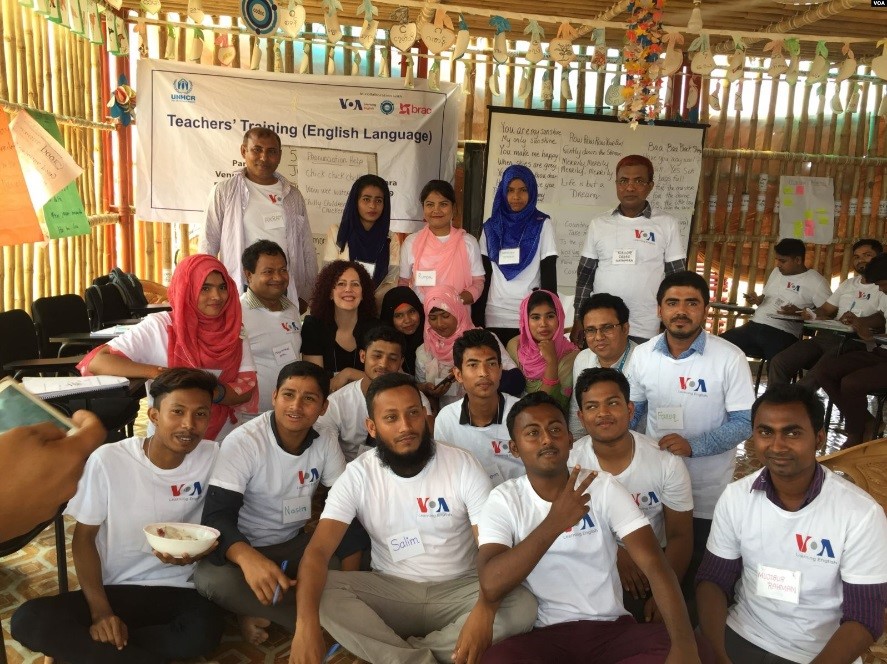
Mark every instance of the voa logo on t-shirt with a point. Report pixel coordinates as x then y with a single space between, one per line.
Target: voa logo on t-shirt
863 296
814 548
645 236
187 491
790 285
308 476
433 507
646 500
289 325
692 385
584 527
500 448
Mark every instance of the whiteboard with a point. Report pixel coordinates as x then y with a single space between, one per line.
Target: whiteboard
574 159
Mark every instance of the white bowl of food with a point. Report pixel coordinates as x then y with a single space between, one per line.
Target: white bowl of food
178 539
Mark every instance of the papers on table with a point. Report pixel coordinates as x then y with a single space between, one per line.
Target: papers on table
51 388
797 318
114 330
833 325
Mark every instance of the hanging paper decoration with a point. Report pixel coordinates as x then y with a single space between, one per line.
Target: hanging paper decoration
196 48
149 6
493 82
225 53
642 49
819 67
439 35
599 57
500 44
703 62
195 11
547 88
560 49
695 22
294 18
613 94
692 94
836 102
434 76
123 101
170 52
115 35
331 20
714 99
853 101
736 61
537 34
409 79
305 63
523 90
384 69
331 63
403 33
278 58
674 57
848 67
256 59
142 32
793 46
462 39
468 78
778 65
355 64
566 92
737 97
370 24
882 109
260 16
93 23
879 64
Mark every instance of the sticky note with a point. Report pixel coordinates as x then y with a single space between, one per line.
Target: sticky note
799 189
18 221
823 220
786 190
799 229
809 228
788 202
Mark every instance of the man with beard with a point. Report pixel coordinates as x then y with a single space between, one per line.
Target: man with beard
420 501
695 390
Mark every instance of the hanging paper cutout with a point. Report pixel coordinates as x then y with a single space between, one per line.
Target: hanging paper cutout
537 34
695 22
150 6
293 19
674 57
819 67
409 79
225 52
500 44
560 48
403 33
370 24
879 64
547 92
523 90
714 99
462 39
384 68
195 11
434 76
331 20
793 46
170 52
196 49
18 221
256 59
848 67
566 91
438 36
599 58
736 61
305 63
778 65
142 32
355 63
703 62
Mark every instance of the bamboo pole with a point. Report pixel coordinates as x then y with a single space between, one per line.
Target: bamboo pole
4 61
19 277
21 55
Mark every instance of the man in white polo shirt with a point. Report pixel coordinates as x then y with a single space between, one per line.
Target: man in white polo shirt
271 320
695 391
604 320
629 250
345 419
657 480
420 501
797 550
477 421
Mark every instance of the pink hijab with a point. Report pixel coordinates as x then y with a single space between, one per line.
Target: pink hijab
531 361
446 298
449 259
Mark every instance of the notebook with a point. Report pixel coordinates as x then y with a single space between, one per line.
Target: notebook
63 386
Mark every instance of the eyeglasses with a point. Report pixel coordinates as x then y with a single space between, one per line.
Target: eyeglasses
637 182
258 151
605 330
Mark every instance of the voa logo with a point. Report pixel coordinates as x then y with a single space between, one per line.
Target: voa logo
586 525
350 104
308 476
289 325
646 236
645 500
793 287
863 296
183 89
821 548
432 506
500 447
692 384
192 490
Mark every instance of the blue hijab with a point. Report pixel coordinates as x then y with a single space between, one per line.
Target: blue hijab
367 246
506 229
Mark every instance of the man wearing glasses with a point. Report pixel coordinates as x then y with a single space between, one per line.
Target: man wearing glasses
260 204
628 251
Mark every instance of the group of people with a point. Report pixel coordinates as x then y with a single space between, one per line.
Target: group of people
495 493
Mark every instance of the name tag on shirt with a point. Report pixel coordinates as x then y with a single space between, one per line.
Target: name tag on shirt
623 257
296 509
273 221
670 417
407 544
509 256
284 354
426 277
781 584
369 267
495 476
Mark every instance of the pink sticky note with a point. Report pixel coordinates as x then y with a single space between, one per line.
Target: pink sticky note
799 189
809 228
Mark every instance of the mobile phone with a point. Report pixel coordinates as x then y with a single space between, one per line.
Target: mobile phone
18 407
445 382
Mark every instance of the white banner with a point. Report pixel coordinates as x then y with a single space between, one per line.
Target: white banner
191 120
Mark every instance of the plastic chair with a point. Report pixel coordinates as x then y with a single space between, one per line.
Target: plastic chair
56 315
19 350
105 307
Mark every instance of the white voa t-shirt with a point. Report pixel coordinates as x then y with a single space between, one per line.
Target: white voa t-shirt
277 486
345 419
275 340
408 261
806 290
503 302
654 479
838 537
691 397
489 444
631 254
420 527
855 296
576 579
586 359
263 218
121 491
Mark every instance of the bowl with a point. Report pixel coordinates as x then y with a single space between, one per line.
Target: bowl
177 539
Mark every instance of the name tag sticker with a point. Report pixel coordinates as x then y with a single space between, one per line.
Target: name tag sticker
670 417
495 476
284 354
407 544
781 584
273 221
296 509
369 267
509 256
426 277
623 257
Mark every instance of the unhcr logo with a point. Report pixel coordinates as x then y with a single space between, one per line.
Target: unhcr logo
183 88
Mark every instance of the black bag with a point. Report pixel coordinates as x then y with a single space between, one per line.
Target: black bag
130 288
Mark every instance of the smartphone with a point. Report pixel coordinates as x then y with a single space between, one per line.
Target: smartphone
18 407
445 382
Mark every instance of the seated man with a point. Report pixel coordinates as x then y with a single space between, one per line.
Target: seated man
477 421
131 607
604 319
796 569
657 480
855 299
557 535
790 288
382 353
419 501
259 498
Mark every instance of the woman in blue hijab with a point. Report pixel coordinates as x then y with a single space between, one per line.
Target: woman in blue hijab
519 249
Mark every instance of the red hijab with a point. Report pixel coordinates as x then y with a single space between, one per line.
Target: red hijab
200 341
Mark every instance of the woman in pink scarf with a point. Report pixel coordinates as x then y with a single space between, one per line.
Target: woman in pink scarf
541 350
203 331
440 255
